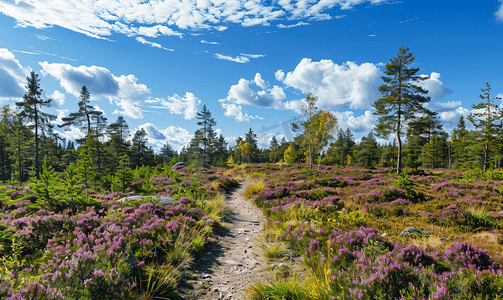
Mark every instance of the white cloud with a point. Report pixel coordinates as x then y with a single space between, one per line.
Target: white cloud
242 93
209 43
295 105
279 75
60 116
236 111
12 76
151 44
335 85
499 12
293 25
238 59
260 82
45 38
58 97
186 105
100 19
436 88
361 124
264 141
72 133
177 137
253 55
124 90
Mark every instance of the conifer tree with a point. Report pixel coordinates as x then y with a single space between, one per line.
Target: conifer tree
20 148
205 137
486 118
6 124
31 111
274 146
401 98
124 175
251 139
85 117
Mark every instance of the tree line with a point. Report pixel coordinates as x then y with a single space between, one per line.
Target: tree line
27 136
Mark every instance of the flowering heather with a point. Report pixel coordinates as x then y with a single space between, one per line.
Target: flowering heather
453 212
465 255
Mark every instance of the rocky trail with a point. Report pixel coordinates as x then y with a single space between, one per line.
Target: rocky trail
231 261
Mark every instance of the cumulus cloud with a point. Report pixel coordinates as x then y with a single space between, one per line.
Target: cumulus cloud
58 97
348 84
279 75
12 76
264 141
360 124
236 111
151 44
151 18
186 106
242 93
177 137
436 88
260 82
123 90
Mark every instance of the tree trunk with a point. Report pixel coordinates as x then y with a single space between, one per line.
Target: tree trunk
485 157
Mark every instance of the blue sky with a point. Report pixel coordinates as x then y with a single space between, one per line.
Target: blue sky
250 62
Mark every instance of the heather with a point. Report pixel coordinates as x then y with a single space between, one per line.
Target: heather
340 231
63 238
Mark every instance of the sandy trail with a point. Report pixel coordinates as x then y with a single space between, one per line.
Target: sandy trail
228 265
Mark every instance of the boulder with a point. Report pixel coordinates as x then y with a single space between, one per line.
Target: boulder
177 164
162 200
413 230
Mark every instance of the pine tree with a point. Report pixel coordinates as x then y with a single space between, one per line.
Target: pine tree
274 146
401 98
206 135
6 124
85 117
31 111
220 150
167 152
368 152
140 152
486 120
251 139
118 133
20 148
124 175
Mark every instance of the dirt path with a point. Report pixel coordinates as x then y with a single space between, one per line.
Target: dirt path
231 262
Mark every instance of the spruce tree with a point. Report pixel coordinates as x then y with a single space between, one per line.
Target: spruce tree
20 148
401 98
31 111
205 137
486 118
251 139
